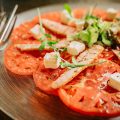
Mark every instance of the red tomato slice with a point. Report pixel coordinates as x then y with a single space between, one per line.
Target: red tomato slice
43 78
90 94
21 63
100 13
107 54
21 33
79 12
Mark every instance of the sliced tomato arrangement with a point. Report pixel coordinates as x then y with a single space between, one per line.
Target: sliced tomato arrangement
90 94
19 63
21 33
43 78
22 63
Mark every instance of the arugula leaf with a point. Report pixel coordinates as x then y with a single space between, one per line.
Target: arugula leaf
105 39
62 49
51 43
44 35
94 33
42 38
57 56
74 60
48 35
47 42
40 21
42 46
88 17
71 65
103 26
90 12
67 8
75 36
65 64
85 35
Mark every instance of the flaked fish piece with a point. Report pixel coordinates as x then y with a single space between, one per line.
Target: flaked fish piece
62 43
35 31
117 53
27 47
37 34
86 57
58 27
30 47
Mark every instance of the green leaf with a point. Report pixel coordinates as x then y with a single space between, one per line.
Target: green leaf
94 33
62 49
75 36
67 8
104 26
57 56
66 64
42 46
88 17
100 43
85 35
74 60
72 65
40 21
90 12
105 40
42 38
50 43
48 35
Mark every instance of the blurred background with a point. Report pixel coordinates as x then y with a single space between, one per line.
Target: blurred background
28 4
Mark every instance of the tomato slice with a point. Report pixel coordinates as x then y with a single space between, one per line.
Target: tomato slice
89 94
43 78
107 54
22 33
79 12
21 63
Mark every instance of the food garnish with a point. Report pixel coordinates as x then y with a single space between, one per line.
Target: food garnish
74 48
86 57
75 65
95 29
68 8
73 55
51 60
35 31
114 81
